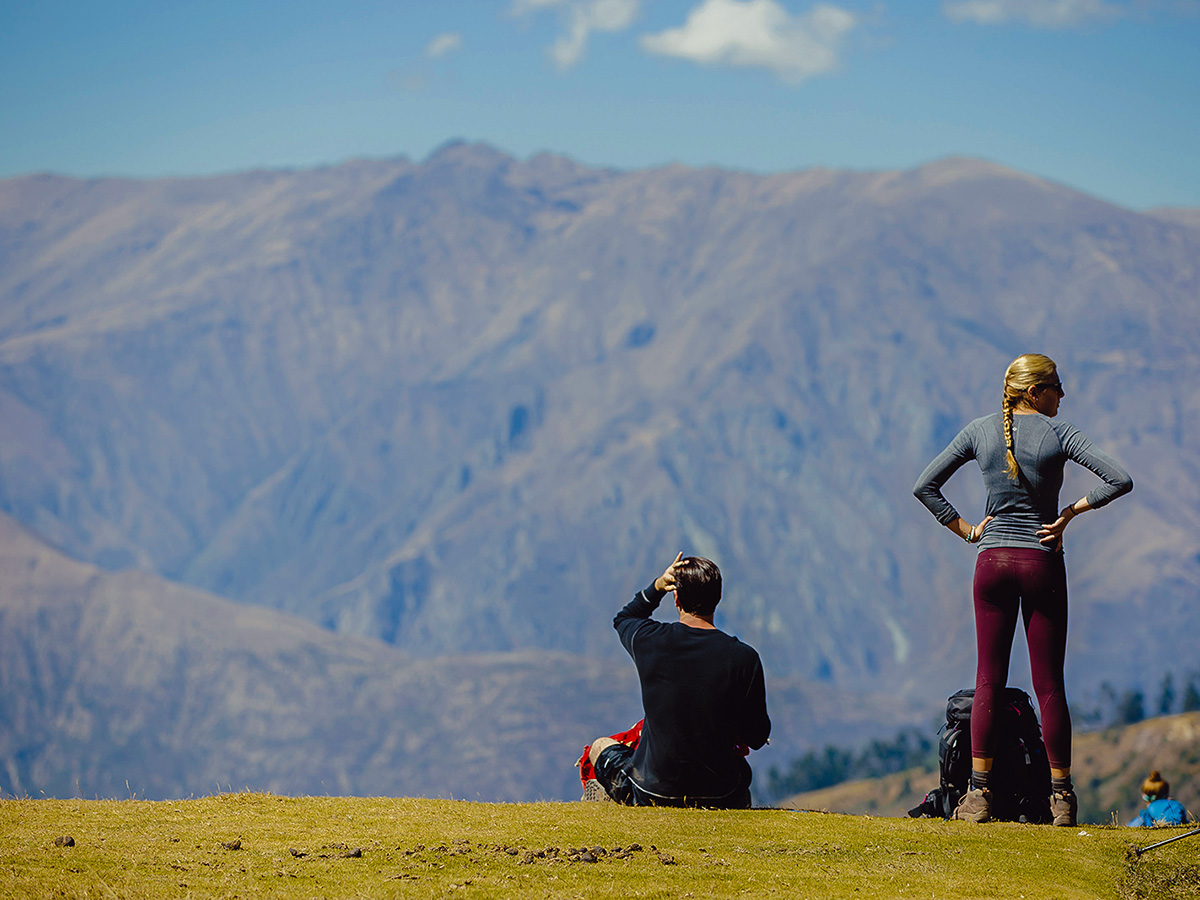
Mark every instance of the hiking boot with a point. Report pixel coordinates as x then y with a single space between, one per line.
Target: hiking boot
594 791
1064 806
975 806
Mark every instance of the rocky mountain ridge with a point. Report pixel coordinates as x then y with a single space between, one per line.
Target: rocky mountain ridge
469 405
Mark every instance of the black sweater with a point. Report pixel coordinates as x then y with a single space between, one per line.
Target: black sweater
703 694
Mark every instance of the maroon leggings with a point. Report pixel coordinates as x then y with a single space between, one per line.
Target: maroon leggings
1033 582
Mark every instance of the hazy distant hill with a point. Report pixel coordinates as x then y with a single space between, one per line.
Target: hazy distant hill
1178 215
470 405
119 683
1108 766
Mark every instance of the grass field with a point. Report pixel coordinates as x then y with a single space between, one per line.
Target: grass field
256 845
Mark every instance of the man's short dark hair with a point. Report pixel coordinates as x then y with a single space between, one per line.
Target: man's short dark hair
697 585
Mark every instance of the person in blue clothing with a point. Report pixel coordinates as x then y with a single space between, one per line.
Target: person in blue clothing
1160 808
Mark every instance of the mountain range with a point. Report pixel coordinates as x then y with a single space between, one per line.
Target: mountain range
465 407
125 684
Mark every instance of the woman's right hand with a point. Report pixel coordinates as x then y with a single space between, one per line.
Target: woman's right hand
974 533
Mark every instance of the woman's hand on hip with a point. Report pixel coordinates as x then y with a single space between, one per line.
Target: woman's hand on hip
972 534
1052 534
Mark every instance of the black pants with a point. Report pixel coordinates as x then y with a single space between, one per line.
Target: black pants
612 771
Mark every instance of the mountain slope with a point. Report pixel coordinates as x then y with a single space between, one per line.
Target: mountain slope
112 683
471 404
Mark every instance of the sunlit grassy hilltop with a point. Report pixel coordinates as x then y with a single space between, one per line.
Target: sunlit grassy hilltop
255 845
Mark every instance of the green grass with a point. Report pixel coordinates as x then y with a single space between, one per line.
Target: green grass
438 848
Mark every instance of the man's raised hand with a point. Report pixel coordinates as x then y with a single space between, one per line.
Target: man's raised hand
666 581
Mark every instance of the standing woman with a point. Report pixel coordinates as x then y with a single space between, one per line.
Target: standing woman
1021 451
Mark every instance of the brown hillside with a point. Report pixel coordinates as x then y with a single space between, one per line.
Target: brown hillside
1108 767
120 683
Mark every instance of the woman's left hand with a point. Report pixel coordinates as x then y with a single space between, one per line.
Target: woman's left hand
1052 534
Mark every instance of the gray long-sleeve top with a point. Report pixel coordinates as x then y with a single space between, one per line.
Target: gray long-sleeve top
1042 447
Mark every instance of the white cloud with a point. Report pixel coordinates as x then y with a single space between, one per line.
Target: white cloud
444 43
1038 13
758 33
581 18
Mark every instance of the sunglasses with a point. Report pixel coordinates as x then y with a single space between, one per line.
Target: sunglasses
1055 386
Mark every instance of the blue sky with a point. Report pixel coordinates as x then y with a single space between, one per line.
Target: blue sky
1102 95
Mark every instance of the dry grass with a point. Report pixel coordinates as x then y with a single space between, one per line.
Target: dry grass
346 847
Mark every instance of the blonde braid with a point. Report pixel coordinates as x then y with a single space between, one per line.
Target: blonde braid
1010 459
1024 372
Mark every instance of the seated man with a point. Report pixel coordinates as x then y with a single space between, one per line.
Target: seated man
703 696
